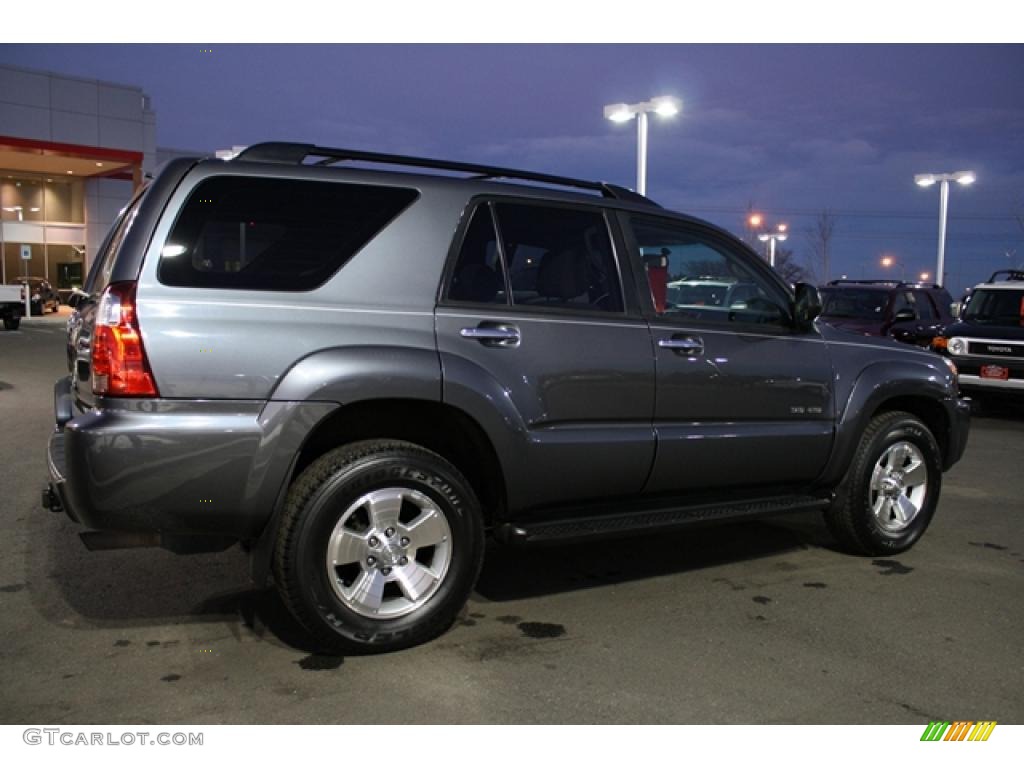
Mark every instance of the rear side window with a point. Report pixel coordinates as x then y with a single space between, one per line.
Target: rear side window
273 234
479 275
558 258
104 265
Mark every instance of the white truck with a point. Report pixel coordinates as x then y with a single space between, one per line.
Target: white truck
12 305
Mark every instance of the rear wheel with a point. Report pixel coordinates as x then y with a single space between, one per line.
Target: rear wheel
12 323
889 494
379 546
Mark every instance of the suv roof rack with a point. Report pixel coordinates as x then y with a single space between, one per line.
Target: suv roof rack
893 283
288 153
844 281
1011 274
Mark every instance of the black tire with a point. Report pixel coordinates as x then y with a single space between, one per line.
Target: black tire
12 323
851 518
319 498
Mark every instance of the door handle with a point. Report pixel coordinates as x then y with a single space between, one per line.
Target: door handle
493 335
691 346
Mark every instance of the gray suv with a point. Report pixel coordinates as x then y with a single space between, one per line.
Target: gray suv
361 374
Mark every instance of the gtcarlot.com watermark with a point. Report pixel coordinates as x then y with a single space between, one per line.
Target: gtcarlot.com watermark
71 738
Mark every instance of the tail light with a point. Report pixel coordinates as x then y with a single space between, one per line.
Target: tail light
119 364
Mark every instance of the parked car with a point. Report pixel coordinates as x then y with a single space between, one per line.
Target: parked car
910 312
44 296
12 305
418 383
987 341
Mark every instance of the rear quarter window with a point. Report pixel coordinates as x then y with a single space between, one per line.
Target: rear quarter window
252 233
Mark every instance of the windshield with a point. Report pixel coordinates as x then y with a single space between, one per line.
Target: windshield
862 304
996 307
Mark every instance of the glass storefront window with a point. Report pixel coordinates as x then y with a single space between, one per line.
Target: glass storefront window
44 198
62 265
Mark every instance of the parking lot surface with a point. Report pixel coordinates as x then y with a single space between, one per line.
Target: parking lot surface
749 623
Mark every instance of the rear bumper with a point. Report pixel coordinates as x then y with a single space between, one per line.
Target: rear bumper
175 467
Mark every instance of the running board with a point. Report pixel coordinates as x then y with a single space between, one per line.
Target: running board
637 523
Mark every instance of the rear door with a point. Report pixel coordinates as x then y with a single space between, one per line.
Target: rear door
743 400
534 324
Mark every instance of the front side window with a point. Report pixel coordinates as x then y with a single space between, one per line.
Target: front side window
925 308
273 234
996 307
696 277
902 301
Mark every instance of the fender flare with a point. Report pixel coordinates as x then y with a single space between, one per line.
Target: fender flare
874 386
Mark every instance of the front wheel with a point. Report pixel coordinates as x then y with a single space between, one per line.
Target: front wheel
379 546
12 323
889 494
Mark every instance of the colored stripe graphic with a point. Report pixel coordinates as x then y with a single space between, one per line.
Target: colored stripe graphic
934 731
982 730
958 730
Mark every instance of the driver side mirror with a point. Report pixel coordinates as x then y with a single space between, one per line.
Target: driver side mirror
954 310
807 306
76 297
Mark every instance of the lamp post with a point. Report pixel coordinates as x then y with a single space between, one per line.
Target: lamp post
943 179
770 237
666 106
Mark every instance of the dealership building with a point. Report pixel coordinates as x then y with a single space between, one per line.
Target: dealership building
72 151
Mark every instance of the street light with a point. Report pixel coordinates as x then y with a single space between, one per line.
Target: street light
927 180
666 106
770 237
887 261
925 276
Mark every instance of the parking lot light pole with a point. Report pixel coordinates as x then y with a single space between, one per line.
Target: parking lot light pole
943 179
770 237
666 106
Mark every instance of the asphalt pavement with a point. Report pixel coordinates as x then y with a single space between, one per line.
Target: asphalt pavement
749 623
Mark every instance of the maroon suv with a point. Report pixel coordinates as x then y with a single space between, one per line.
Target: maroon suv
910 312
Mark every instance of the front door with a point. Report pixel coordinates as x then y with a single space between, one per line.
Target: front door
743 399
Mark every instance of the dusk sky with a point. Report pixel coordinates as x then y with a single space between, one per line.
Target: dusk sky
790 129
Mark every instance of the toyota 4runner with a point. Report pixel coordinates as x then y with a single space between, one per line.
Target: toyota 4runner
359 374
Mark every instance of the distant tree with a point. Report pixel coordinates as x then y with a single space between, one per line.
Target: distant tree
786 265
819 237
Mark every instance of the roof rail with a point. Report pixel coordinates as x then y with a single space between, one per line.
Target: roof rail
296 154
1011 274
894 283
844 281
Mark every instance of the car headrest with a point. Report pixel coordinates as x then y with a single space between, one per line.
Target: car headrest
562 275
